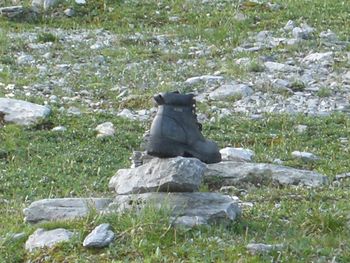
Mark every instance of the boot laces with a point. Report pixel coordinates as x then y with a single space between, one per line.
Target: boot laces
194 108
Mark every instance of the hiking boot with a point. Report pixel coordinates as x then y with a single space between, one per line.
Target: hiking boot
175 130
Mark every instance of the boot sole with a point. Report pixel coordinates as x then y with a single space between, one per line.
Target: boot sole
166 148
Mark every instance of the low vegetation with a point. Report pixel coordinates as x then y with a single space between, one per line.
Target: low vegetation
36 163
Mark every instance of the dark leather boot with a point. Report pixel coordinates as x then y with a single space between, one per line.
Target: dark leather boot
176 132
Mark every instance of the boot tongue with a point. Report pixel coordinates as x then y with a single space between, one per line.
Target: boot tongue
174 98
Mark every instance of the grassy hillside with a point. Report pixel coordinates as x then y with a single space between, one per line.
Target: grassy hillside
36 163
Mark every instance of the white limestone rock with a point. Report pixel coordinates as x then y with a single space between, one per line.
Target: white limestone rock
59 129
42 238
105 129
22 112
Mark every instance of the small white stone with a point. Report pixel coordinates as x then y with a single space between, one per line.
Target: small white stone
204 78
73 111
277 161
301 128
59 129
257 248
69 12
42 238
229 90
174 19
105 129
306 156
236 154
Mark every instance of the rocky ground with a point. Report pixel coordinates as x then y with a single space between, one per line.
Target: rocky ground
267 77
293 69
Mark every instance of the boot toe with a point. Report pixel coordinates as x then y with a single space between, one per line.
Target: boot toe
207 151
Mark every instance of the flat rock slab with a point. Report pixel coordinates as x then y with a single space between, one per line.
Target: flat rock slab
22 112
177 174
187 209
63 208
241 174
42 238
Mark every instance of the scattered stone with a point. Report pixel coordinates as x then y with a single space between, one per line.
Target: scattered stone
177 174
303 32
329 36
22 112
325 58
205 78
105 129
17 236
236 154
305 156
289 26
128 114
230 90
59 129
45 4
273 6
12 11
346 76
96 46
245 62
240 17
262 36
187 209
12 237
73 111
63 208
25 59
259 248
174 19
242 174
340 177
301 128
42 238
279 67
69 12
100 237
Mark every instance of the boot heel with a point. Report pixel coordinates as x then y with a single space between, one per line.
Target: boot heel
164 148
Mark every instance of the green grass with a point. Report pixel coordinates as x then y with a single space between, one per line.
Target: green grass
40 164
36 163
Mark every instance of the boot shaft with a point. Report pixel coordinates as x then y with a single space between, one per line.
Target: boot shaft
176 122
